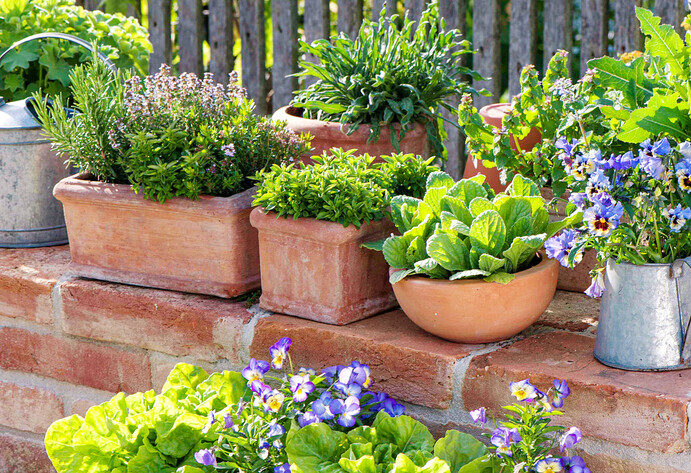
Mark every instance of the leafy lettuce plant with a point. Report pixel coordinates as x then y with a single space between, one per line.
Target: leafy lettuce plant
461 230
391 445
392 74
526 440
45 65
341 187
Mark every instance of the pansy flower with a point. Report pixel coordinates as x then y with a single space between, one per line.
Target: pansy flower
321 406
683 172
677 217
308 418
578 199
375 403
575 464
624 161
205 457
597 183
227 421
352 389
561 391
503 438
301 387
603 217
255 370
549 465
393 408
260 389
597 286
356 373
332 372
583 165
275 430
347 409
523 390
559 247
274 401
570 438
650 156
279 352
568 149
479 416
211 420
285 468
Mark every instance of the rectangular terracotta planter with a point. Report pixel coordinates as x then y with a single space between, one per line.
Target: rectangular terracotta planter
316 269
204 246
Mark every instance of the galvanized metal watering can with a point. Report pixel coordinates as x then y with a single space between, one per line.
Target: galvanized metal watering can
29 214
645 317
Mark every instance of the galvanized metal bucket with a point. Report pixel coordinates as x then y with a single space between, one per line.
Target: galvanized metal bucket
29 214
645 317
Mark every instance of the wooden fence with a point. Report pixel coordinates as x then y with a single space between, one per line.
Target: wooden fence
275 90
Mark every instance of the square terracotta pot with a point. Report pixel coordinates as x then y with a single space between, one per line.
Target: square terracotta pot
204 246
316 270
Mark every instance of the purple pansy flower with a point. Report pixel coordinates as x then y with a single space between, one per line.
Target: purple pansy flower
503 438
375 404
308 418
597 183
211 420
228 421
559 246
301 387
650 159
352 389
570 438
255 370
603 217
578 199
523 390
575 464
479 416
393 408
625 161
275 430
356 373
683 172
549 465
677 217
279 352
260 389
285 468
561 392
205 457
321 406
347 409
597 286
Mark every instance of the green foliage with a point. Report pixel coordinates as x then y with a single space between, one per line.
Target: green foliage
391 445
145 433
341 187
392 74
165 135
45 65
462 230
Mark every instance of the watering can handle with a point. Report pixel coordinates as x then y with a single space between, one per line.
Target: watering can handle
676 271
67 37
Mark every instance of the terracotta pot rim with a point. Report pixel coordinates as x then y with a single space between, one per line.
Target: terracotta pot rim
288 113
544 265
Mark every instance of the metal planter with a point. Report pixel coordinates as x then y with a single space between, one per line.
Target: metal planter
645 317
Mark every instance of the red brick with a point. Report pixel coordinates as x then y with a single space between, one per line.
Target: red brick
18 455
76 362
28 408
179 324
572 311
647 410
27 277
606 463
407 363
80 406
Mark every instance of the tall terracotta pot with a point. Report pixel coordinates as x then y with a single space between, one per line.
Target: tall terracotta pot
476 311
317 270
492 115
329 135
204 246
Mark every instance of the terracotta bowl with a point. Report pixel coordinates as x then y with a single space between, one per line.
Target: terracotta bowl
475 311
329 135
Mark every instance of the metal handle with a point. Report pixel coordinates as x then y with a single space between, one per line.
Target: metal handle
676 272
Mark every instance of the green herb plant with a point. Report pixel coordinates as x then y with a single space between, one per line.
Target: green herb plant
461 230
167 136
391 445
340 186
390 75
46 65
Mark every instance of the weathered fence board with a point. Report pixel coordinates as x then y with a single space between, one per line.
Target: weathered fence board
523 44
415 8
284 14
221 39
190 35
558 29
253 52
316 25
377 6
160 34
627 34
593 31
671 12
349 17
487 59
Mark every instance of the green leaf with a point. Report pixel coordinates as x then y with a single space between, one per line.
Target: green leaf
177 431
555 227
406 433
374 245
21 58
490 263
466 190
62 454
540 221
458 208
513 209
316 448
488 232
469 274
458 449
416 251
57 68
500 278
182 378
481 465
664 114
479 205
228 388
147 460
450 224
662 41
395 248
404 464
448 251
522 186
615 74
439 179
403 208
433 198
400 275
523 249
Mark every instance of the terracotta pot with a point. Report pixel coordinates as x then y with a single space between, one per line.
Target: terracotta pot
317 270
329 135
475 311
492 115
570 279
205 246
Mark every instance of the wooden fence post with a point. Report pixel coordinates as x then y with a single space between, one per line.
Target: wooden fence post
523 42
221 39
317 26
672 13
627 35
593 31
252 36
284 14
377 5
486 41
558 28
415 8
349 17
159 34
190 36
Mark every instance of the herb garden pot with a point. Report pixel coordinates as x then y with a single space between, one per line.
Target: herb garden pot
476 311
492 115
317 270
327 135
570 279
204 246
645 316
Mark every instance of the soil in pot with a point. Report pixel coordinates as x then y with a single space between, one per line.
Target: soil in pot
476 311
327 135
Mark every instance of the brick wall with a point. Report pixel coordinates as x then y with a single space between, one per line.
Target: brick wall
66 344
